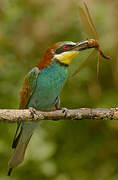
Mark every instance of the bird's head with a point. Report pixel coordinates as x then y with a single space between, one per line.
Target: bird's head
63 52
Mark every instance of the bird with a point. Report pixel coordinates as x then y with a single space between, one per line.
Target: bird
41 91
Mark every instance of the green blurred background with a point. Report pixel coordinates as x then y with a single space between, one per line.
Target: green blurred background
70 150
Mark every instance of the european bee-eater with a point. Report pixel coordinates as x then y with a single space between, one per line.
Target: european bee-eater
41 90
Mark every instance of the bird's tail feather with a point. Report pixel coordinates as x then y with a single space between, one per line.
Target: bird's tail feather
20 143
18 154
9 172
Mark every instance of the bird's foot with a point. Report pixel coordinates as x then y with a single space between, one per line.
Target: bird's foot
32 111
65 111
35 115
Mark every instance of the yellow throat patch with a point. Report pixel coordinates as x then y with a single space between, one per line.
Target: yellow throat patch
66 57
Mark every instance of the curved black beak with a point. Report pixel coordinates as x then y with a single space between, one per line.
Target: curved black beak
82 45
91 43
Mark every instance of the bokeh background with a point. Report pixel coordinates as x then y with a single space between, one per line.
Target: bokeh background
77 150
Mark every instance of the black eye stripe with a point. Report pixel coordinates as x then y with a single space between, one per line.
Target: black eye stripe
61 49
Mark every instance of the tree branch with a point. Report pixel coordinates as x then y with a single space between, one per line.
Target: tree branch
26 115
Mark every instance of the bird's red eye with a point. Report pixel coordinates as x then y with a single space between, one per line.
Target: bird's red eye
65 47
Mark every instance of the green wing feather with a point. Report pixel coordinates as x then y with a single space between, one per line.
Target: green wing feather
29 86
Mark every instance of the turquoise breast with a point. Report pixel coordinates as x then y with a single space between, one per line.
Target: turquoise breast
50 82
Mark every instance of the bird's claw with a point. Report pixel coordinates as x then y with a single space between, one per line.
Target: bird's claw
65 111
32 111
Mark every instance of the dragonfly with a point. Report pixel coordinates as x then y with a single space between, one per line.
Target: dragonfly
92 43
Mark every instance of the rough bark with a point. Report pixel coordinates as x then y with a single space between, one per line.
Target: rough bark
27 115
